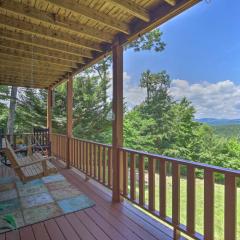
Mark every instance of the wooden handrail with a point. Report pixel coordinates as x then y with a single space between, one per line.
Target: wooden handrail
94 159
185 162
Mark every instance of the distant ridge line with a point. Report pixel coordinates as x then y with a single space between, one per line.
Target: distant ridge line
216 121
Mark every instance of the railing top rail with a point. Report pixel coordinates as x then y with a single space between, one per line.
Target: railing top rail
84 140
89 141
186 162
19 134
58 134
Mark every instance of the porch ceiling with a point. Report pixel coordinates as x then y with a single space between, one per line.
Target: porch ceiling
42 42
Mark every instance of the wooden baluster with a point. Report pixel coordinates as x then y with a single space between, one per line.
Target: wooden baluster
191 199
71 151
73 155
230 218
125 173
162 184
95 161
132 177
84 157
59 146
176 198
104 165
68 151
56 146
151 181
79 154
141 181
87 159
64 149
208 205
76 153
100 163
109 167
90 158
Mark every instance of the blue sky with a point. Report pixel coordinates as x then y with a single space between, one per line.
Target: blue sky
202 55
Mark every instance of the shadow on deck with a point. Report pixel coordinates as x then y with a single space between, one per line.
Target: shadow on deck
103 221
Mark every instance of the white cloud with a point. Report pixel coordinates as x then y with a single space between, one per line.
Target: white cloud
213 100
133 94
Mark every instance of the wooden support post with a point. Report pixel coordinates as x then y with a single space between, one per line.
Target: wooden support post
117 123
69 117
49 110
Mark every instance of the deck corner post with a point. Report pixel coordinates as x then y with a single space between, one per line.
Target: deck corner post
69 117
117 121
49 109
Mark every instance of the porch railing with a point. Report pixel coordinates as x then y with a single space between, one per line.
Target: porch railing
94 159
144 175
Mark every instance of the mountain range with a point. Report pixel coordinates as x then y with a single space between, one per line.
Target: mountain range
217 122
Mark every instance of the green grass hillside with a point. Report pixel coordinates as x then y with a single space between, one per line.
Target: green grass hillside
219 205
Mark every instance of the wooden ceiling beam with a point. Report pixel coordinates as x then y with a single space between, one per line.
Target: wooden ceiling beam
23 64
36 80
54 20
39 51
132 8
44 43
12 82
8 80
7 60
8 67
35 59
92 14
171 2
39 30
29 74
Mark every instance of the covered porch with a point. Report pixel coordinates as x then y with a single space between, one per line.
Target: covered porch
115 177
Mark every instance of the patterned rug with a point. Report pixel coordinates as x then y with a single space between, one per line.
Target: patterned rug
37 200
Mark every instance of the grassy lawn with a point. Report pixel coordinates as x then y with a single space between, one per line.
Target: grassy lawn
219 205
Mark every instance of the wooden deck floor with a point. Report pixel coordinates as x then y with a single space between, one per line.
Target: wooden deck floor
104 221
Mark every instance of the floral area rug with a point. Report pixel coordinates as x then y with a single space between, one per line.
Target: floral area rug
23 204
